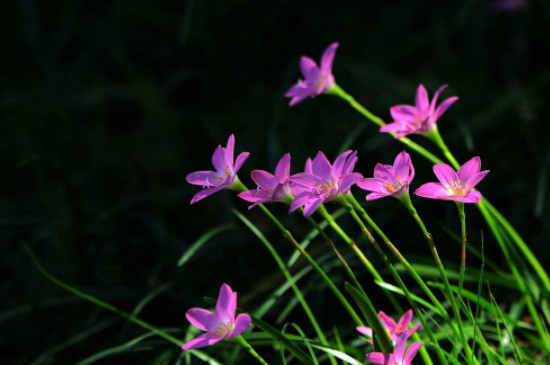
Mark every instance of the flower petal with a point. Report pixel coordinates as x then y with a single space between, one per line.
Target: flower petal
403 168
240 160
371 184
433 191
472 197
312 205
383 172
327 58
442 108
394 127
254 196
201 318
379 358
226 304
367 331
474 180
204 193
282 171
387 321
436 96
202 178
242 322
411 352
338 165
445 174
350 163
206 339
469 169
422 101
405 320
347 181
218 158
229 150
374 196
308 67
263 179
321 166
406 113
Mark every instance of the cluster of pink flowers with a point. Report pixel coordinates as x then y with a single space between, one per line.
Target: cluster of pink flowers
399 333
322 182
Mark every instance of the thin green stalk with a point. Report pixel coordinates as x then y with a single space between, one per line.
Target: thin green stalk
101 303
339 92
315 266
462 216
372 316
494 213
435 136
322 210
250 350
287 275
355 205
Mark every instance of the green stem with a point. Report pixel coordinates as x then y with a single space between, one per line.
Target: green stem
462 216
372 316
435 136
286 273
101 303
250 350
314 264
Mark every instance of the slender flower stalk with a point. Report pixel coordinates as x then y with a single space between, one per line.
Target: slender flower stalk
462 217
250 349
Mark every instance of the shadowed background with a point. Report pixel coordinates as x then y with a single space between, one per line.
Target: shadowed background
106 106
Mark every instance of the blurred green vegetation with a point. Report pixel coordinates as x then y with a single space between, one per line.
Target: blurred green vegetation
106 106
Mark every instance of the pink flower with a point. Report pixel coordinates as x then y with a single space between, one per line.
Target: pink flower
220 325
225 175
321 181
399 356
317 79
271 188
455 185
390 180
394 329
420 118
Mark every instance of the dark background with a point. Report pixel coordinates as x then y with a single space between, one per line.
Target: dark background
106 106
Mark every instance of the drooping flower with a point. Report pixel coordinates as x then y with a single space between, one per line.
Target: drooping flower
390 180
420 118
321 182
316 79
225 175
271 188
399 355
219 325
395 330
455 185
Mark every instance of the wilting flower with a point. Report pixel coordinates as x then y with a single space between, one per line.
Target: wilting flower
317 79
271 188
395 330
455 185
225 175
321 181
420 118
219 325
390 180
399 356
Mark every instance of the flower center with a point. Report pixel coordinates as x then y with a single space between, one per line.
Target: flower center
222 329
392 188
457 189
327 186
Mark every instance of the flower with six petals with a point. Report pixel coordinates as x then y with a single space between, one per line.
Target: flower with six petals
271 188
390 180
225 175
455 185
219 325
420 118
322 182
316 79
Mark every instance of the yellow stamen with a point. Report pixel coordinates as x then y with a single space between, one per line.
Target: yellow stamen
222 328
